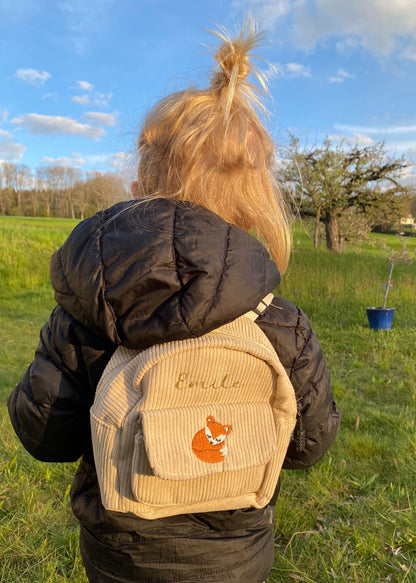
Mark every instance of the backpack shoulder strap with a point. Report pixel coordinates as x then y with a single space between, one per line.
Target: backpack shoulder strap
260 308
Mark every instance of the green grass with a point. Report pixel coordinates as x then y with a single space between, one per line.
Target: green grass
38 535
350 518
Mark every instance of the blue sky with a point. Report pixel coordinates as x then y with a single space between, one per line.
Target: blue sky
77 76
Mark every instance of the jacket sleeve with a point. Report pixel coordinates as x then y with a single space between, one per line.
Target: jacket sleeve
299 350
49 407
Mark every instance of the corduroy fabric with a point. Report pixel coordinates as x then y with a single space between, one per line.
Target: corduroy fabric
150 405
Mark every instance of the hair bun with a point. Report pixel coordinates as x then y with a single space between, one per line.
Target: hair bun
232 61
233 58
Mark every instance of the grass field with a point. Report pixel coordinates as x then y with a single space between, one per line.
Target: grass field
350 518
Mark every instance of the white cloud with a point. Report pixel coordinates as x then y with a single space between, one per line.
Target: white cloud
267 12
85 86
340 76
32 76
403 146
410 53
404 129
97 99
296 70
81 99
11 151
376 23
99 118
381 26
102 99
390 135
362 139
53 96
75 160
288 70
348 44
357 139
49 124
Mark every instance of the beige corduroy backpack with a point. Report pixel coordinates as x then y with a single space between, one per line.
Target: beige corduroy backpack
195 425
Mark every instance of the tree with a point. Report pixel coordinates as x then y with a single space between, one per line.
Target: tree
23 182
43 192
15 180
104 189
6 193
69 178
58 191
330 179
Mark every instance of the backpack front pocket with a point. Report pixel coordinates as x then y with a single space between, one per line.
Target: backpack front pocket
210 452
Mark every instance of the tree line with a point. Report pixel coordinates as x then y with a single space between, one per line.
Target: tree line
57 191
349 190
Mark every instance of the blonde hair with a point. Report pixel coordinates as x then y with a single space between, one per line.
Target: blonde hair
209 147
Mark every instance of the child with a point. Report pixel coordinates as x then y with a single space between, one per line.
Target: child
174 263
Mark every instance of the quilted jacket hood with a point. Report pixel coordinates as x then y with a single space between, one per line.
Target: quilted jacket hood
144 272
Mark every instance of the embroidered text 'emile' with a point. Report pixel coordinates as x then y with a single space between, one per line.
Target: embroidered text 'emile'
184 382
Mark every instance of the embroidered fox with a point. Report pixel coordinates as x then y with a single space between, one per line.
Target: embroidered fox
208 444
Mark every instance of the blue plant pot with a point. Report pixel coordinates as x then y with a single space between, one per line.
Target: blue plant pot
380 318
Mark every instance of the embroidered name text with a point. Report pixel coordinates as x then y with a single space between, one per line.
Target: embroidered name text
184 382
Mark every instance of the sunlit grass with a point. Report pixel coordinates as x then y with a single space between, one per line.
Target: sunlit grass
350 518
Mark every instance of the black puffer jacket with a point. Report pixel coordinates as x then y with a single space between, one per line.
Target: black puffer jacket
137 274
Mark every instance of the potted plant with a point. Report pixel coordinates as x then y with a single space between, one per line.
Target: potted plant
381 317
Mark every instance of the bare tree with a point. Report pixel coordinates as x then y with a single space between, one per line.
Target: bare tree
58 191
70 177
104 189
6 193
16 179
